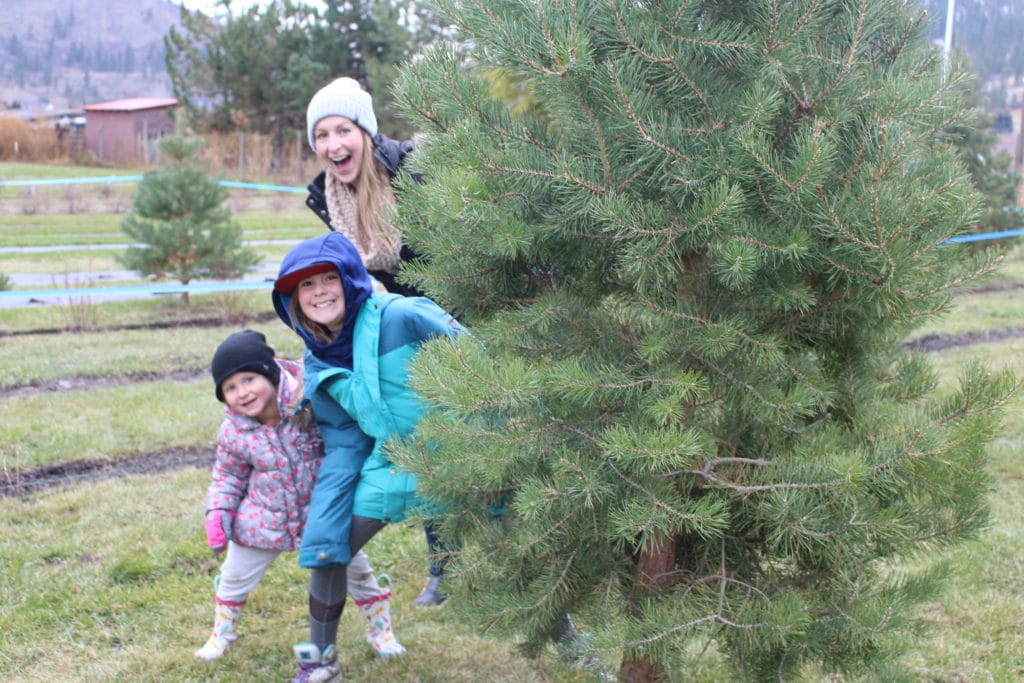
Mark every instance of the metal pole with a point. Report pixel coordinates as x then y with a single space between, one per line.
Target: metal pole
948 45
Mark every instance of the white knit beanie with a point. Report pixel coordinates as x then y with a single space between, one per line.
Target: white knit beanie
341 97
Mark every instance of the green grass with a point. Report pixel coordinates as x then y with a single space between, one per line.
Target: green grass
978 623
10 170
113 582
36 230
90 354
55 427
102 313
76 268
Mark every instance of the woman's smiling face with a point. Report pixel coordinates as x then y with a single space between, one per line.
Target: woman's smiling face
341 144
322 299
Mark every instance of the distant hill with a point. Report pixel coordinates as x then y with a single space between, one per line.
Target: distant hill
57 55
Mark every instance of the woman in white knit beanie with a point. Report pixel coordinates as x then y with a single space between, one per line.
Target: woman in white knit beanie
353 194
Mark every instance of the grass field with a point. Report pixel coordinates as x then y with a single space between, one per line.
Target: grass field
110 579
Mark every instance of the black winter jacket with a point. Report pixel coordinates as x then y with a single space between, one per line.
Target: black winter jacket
391 154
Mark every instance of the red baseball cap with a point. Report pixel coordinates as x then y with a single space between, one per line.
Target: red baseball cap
286 284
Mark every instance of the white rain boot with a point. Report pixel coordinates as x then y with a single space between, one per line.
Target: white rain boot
225 631
374 604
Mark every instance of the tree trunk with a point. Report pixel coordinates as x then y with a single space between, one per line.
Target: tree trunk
637 669
654 566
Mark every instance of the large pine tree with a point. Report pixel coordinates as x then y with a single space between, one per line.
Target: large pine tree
691 270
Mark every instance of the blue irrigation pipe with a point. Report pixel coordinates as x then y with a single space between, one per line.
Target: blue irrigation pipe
138 178
258 186
136 290
986 236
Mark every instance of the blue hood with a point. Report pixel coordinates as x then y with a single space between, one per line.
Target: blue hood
335 249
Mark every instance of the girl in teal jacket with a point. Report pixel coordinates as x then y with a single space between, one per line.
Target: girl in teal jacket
358 348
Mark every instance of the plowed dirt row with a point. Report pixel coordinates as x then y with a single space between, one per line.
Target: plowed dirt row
24 482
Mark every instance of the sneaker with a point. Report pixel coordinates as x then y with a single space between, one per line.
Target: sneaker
316 666
431 593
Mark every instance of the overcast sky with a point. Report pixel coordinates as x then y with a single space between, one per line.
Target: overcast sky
208 6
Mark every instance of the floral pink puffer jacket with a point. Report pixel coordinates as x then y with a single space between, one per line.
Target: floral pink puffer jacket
265 473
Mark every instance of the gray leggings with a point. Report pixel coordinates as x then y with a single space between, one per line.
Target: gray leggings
328 586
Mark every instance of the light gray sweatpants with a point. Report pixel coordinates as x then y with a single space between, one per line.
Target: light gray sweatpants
244 567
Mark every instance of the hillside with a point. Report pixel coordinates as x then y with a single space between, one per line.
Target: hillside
56 54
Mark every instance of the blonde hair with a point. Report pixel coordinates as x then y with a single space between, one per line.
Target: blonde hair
374 200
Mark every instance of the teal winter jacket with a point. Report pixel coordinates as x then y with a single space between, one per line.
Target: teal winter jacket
360 398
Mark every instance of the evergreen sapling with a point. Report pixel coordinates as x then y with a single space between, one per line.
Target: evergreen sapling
179 218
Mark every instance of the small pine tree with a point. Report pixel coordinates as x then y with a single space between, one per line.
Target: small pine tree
692 274
178 215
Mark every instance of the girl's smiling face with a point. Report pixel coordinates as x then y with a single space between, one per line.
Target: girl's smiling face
322 299
251 394
341 144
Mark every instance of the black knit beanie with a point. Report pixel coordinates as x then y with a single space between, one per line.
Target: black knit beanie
243 351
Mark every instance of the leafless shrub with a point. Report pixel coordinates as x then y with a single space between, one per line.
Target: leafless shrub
72 199
229 309
80 313
28 201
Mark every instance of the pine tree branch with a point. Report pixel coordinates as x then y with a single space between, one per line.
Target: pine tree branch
547 595
805 107
647 137
566 175
669 61
724 580
708 474
513 45
606 164
880 627
765 165
767 204
808 14
763 346
425 114
957 283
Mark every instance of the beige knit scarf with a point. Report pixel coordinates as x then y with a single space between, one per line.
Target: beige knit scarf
380 251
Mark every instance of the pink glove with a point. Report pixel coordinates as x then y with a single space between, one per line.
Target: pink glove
218 529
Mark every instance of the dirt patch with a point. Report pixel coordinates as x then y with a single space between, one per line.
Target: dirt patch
89 382
24 482
941 342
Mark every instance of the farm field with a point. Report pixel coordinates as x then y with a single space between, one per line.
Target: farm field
106 443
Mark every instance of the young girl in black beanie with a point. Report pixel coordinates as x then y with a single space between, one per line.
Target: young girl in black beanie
256 504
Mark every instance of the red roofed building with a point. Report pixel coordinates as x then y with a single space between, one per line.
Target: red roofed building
124 131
